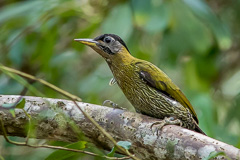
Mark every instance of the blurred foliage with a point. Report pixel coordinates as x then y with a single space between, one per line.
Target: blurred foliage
195 42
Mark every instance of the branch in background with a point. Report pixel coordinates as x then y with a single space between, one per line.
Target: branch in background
173 142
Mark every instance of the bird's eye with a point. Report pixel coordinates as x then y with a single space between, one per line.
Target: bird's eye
107 39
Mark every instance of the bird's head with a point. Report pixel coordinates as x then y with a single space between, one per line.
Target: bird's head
109 46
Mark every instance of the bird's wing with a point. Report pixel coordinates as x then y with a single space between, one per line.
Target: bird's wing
161 82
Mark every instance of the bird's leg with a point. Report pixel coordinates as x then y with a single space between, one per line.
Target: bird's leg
112 82
166 121
112 104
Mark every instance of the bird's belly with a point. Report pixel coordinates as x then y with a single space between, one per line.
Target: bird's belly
147 100
151 102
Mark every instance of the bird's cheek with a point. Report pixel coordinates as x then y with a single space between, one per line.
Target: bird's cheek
99 51
105 55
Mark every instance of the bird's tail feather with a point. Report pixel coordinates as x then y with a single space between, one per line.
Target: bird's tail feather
198 129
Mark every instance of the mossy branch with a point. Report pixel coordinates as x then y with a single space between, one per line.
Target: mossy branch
173 142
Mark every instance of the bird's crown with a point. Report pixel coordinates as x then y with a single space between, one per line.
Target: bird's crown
107 38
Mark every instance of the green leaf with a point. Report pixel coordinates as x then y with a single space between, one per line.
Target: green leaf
124 144
12 111
61 154
8 105
21 103
215 154
111 154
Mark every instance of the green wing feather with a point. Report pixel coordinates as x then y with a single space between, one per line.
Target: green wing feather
160 81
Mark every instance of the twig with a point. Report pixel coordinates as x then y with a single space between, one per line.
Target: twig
55 88
105 133
53 147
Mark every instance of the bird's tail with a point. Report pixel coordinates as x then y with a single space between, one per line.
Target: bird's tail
198 129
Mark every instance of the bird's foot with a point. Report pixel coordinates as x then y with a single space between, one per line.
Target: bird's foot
112 82
165 121
112 104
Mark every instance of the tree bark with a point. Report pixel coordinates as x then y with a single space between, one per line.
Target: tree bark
50 118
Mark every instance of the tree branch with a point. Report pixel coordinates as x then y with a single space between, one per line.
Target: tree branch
173 142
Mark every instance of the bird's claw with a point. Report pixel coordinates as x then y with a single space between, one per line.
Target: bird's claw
165 121
112 82
112 104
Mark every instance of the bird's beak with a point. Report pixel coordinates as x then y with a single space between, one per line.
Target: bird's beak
89 42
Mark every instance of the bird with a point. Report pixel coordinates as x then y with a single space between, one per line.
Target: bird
148 88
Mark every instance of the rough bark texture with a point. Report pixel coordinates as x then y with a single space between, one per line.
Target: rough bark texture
173 142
